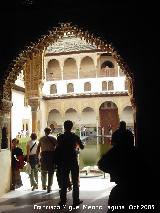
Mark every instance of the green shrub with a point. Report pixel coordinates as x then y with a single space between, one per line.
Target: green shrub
22 144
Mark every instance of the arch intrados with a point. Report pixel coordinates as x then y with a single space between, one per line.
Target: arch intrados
53 61
115 105
86 58
71 110
54 111
86 109
70 58
107 63
127 108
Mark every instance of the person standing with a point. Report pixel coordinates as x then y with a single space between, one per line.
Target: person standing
33 160
84 131
17 164
46 148
67 144
122 136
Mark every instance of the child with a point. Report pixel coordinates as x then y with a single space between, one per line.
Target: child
17 164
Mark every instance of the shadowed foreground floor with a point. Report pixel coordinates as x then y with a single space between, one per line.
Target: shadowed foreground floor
94 192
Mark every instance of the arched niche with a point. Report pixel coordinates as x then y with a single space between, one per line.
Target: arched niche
53 71
70 70
71 114
88 117
127 116
87 68
55 118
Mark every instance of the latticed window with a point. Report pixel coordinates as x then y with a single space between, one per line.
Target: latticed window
104 86
53 89
110 85
70 88
87 86
126 85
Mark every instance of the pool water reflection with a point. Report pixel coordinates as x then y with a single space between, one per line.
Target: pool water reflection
95 147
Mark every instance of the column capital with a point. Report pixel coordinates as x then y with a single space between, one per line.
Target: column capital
34 103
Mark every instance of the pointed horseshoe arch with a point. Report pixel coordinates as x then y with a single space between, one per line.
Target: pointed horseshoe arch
30 59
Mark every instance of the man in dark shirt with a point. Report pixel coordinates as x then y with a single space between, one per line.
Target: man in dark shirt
68 162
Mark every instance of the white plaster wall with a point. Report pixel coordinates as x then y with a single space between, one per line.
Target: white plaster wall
127 116
119 83
5 177
96 85
18 113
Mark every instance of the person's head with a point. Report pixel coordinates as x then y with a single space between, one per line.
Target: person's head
15 142
122 125
33 136
68 125
47 130
123 138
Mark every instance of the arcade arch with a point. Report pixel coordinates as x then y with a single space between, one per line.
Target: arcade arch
71 114
55 118
31 61
70 70
87 68
53 71
88 117
127 115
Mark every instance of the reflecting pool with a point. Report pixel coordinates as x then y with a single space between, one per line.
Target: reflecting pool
95 147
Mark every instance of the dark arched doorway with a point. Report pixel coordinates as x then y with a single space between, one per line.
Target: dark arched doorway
109 118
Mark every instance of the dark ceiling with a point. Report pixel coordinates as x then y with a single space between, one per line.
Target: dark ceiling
127 25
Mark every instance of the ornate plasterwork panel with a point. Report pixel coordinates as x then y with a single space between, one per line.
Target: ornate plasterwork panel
69 43
33 76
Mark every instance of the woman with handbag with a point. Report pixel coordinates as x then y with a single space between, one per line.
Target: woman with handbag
33 160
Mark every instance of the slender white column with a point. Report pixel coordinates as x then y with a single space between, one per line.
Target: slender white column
118 70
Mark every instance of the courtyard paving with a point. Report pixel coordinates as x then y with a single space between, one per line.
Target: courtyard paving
94 192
